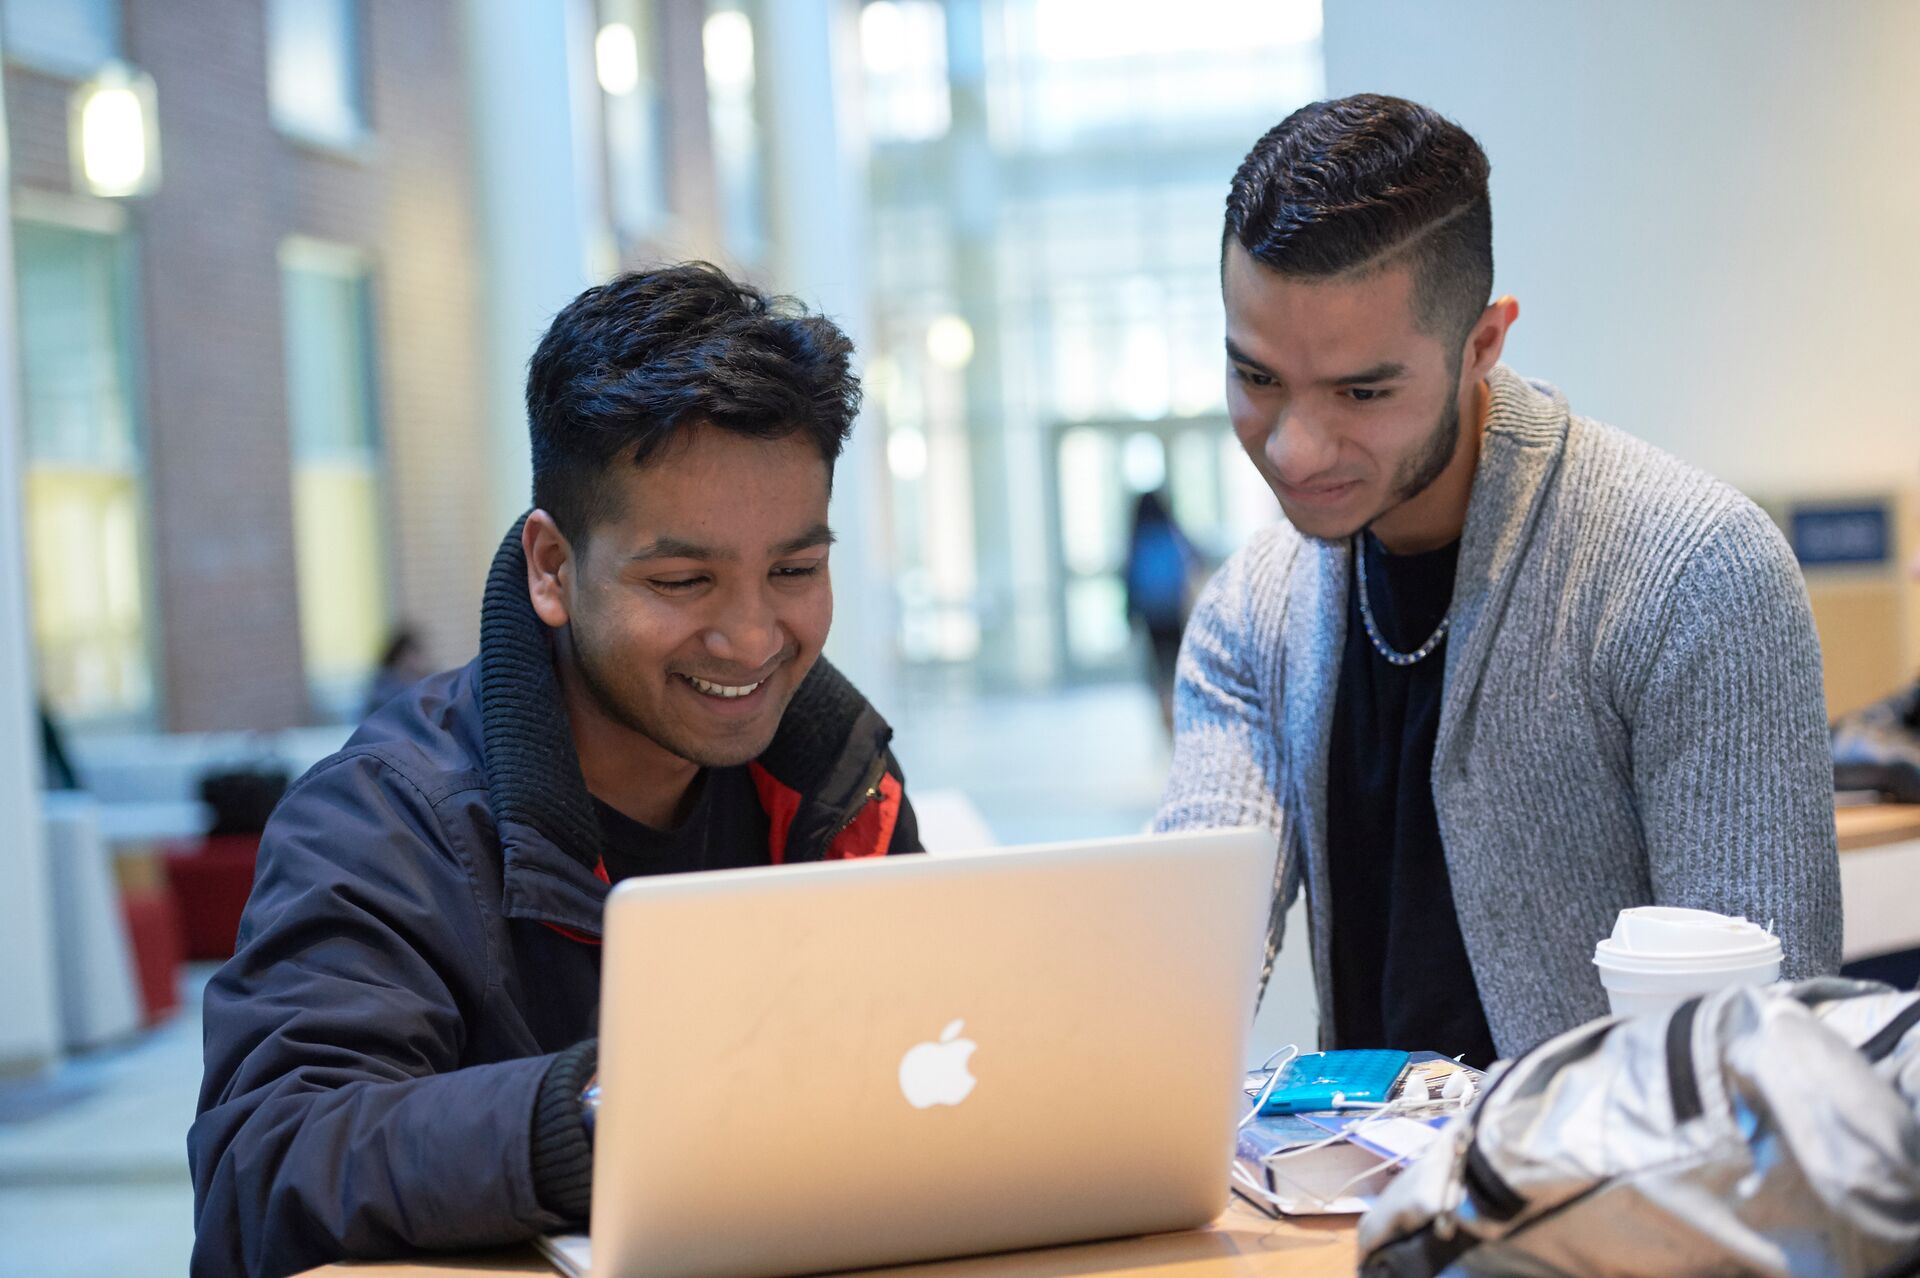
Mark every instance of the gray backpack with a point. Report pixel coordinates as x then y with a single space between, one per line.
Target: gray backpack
1760 1130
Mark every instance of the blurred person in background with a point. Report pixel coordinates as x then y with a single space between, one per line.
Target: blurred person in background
403 664
59 772
396 1054
1504 670
1160 567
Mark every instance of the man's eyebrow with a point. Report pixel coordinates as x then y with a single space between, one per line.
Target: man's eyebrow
679 548
1385 371
818 535
1239 356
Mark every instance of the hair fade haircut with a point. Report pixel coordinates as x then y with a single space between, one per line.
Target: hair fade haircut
629 364
1368 181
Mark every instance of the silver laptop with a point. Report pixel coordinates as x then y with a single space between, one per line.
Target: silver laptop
829 1066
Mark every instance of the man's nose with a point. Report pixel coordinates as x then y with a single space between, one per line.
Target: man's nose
1298 448
746 633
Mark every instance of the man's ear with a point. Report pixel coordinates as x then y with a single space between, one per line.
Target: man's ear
550 568
1488 339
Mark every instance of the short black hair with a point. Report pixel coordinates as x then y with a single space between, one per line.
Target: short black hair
1365 181
629 363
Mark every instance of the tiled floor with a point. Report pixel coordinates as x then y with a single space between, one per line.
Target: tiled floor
93 1178
93 1163
1076 764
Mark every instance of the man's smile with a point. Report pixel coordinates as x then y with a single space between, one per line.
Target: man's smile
724 690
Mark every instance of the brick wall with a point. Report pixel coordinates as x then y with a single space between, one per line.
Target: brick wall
233 188
409 204
217 457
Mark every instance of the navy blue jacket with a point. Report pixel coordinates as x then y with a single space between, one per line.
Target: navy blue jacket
423 938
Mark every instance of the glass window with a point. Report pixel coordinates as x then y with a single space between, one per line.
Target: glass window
626 63
1215 498
72 37
903 47
727 41
1063 196
85 508
313 69
339 519
1070 73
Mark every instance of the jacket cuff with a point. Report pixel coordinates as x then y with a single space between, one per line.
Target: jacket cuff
562 1150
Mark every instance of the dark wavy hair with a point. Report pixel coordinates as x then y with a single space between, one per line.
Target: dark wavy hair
1367 181
629 363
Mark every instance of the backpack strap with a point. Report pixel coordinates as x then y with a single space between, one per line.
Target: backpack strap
1881 1045
1683 1082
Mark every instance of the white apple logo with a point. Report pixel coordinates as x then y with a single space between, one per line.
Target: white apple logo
936 1073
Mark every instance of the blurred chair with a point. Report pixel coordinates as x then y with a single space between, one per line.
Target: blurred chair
211 880
153 926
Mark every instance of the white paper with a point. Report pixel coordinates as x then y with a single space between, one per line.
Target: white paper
1304 1185
571 1254
1398 1138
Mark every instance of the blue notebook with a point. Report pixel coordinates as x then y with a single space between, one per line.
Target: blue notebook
1311 1084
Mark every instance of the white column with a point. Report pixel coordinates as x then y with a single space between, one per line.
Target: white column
29 1022
541 224
808 55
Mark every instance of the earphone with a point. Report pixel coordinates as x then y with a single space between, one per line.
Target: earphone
1272 1065
1456 1093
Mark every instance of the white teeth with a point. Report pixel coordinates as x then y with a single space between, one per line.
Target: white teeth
720 689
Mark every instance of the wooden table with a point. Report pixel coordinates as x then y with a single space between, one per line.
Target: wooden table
1876 825
1241 1244
1879 878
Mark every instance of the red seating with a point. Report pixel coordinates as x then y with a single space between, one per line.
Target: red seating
211 881
153 932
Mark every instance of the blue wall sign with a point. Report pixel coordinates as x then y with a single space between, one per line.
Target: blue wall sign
1823 536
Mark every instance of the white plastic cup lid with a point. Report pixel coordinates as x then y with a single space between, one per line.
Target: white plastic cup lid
1671 931
1632 968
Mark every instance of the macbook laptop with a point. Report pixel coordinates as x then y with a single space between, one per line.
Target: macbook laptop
830 1066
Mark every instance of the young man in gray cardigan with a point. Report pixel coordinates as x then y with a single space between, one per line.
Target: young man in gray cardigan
1504 670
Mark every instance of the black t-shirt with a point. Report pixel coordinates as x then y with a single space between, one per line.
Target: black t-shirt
725 828
1400 973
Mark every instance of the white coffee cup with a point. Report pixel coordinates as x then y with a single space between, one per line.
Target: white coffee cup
1660 956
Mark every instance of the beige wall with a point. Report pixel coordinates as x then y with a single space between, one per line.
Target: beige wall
1709 214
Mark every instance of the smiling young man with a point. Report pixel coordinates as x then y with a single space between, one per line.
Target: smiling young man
395 1054
1504 670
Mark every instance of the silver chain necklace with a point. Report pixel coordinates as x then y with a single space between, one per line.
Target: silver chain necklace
1380 645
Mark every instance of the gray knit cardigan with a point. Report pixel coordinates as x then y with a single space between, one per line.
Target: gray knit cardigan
1632 714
